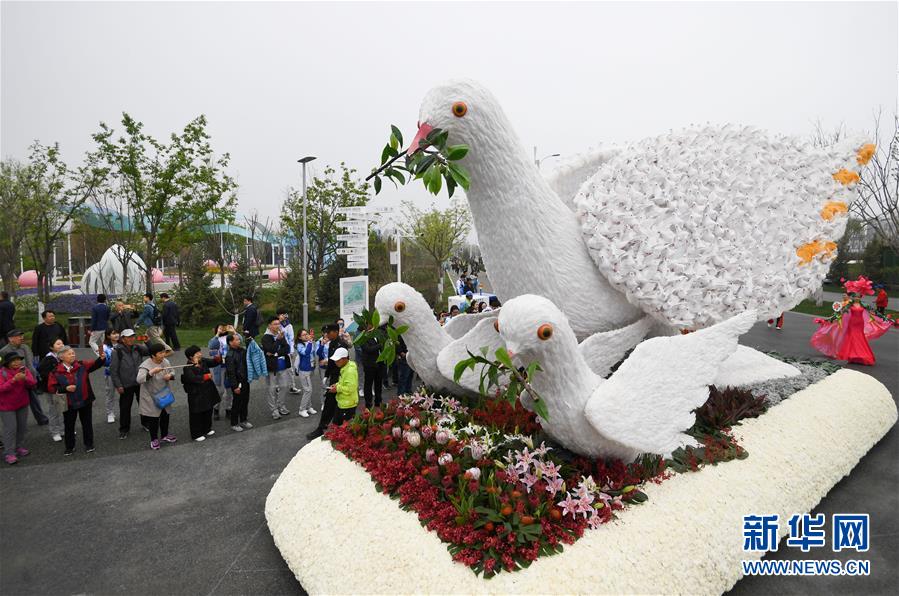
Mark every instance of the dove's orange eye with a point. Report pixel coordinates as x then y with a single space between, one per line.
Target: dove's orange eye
399 306
496 326
459 109
545 331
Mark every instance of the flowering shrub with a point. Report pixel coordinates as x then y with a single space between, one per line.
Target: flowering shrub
72 303
479 480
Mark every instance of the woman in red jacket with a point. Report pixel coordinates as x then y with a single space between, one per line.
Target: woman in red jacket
15 382
71 378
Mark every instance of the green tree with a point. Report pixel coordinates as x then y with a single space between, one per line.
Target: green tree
242 282
438 232
56 196
326 193
14 203
840 265
170 190
873 259
196 298
290 294
327 297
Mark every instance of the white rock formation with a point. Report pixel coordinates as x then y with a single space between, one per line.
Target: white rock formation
643 407
107 276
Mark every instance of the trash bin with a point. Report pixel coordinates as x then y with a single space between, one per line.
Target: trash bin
79 331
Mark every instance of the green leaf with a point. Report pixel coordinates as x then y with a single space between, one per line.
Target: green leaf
459 175
456 152
436 180
450 185
503 356
396 176
459 369
540 409
396 133
377 184
375 318
402 329
394 143
424 165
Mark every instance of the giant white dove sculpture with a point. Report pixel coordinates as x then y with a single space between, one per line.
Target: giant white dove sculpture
433 351
691 227
643 407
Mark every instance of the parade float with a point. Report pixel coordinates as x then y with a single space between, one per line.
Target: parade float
603 431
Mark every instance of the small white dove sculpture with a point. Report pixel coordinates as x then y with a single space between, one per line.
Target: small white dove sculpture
644 407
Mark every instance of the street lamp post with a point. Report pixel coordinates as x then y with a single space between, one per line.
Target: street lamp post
537 162
304 161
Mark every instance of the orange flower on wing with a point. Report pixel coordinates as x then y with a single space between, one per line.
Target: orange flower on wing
865 154
810 250
846 177
832 208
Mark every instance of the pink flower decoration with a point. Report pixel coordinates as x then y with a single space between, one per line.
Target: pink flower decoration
569 505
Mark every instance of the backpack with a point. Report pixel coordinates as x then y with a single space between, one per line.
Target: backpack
157 316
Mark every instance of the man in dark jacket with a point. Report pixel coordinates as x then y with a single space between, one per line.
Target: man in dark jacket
277 360
99 323
126 359
332 373
251 318
239 381
46 333
404 371
372 370
120 319
7 317
171 318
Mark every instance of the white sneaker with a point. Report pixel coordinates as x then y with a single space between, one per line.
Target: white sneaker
294 390
210 433
57 438
283 411
276 415
200 439
237 429
770 325
110 418
303 413
246 425
311 411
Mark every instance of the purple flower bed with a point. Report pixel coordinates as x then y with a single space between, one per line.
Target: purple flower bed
29 291
76 303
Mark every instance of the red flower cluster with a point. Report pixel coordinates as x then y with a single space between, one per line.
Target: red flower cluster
489 522
499 413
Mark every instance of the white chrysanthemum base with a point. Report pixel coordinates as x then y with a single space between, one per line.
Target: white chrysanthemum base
339 535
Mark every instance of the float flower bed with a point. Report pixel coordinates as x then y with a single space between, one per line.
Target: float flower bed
493 491
686 538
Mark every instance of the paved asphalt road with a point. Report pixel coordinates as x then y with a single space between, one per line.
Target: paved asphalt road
188 519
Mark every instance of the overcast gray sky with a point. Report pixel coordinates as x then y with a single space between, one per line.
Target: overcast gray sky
281 80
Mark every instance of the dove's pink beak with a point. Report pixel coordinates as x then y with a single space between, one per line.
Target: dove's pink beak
424 129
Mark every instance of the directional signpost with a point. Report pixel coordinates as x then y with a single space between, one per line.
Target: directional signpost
355 233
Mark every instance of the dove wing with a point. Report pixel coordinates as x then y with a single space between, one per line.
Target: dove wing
462 324
572 172
483 335
603 350
699 224
648 403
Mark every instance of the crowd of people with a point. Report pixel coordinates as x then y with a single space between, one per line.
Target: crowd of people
58 389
